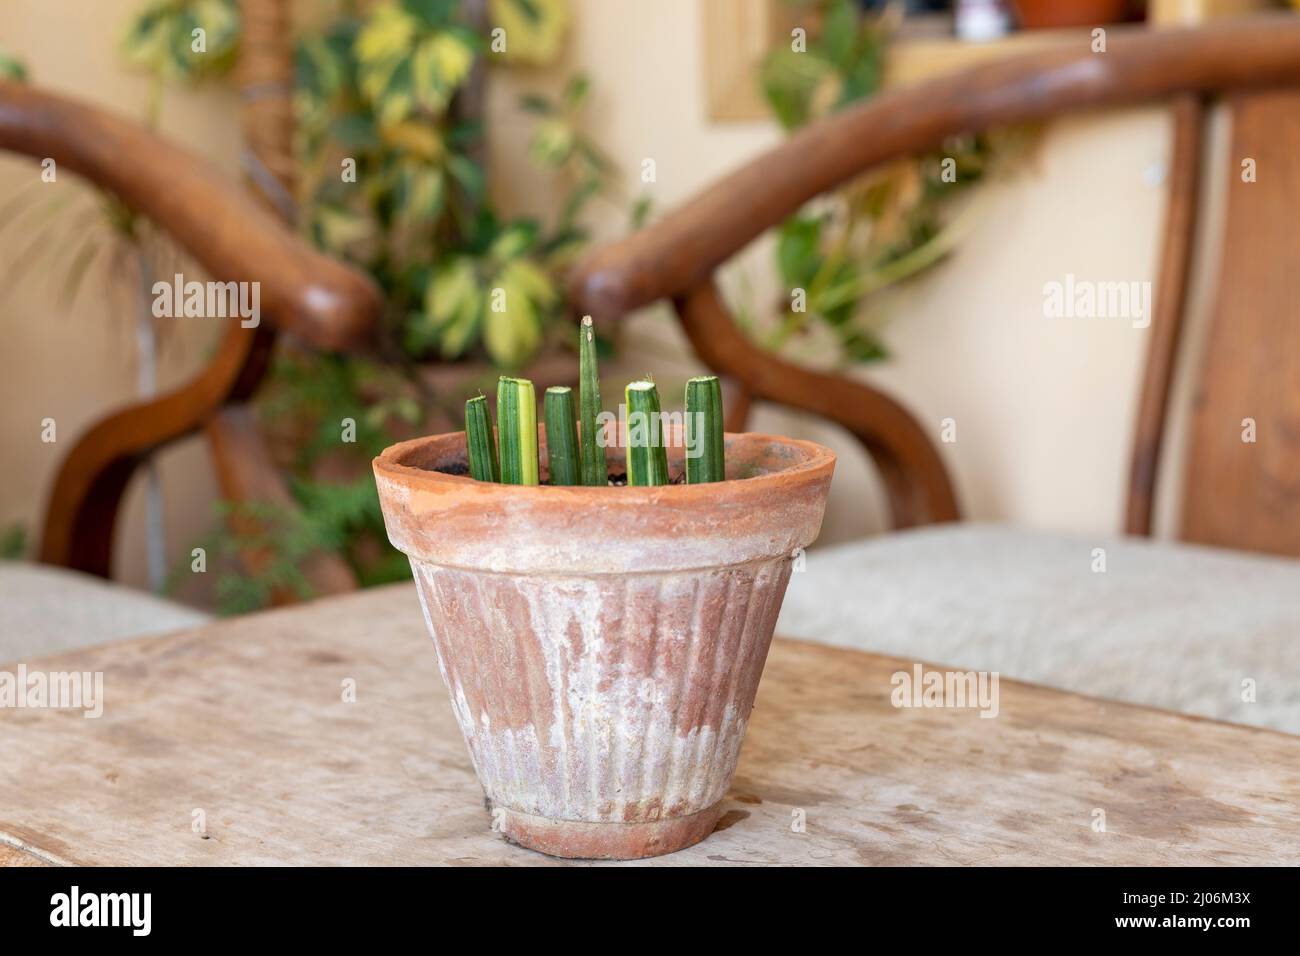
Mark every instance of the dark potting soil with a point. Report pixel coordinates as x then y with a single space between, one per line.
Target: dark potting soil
620 480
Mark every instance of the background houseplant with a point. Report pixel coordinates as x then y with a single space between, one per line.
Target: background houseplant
391 179
886 227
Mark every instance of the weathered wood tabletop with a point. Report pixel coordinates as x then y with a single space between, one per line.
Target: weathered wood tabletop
243 725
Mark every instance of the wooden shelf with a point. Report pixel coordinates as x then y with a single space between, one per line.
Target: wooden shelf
738 33
914 60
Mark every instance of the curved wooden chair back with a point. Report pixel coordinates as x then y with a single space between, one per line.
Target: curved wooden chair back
323 302
1237 493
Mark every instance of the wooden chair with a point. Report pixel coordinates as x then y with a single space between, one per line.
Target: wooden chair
960 595
234 232
322 303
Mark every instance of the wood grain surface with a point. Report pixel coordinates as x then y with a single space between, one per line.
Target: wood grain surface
244 721
12 856
1243 494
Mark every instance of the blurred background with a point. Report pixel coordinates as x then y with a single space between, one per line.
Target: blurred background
485 168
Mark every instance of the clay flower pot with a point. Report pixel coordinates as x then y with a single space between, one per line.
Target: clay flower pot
602 646
1060 14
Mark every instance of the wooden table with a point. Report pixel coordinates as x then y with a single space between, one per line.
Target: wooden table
245 721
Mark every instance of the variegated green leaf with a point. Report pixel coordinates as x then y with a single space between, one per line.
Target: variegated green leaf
513 241
552 142
388 35
455 338
163 38
534 29
531 280
512 336
453 291
454 302
339 229
439 66
409 62
416 139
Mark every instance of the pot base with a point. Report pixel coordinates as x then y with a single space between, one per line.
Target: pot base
582 840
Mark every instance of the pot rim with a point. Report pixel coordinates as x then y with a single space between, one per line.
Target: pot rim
452 520
818 459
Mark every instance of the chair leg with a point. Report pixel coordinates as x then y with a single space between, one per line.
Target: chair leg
246 474
736 403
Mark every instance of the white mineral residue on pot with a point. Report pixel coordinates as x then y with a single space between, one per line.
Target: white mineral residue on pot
612 741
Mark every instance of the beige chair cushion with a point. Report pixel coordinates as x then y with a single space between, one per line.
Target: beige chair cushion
45 610
1166 625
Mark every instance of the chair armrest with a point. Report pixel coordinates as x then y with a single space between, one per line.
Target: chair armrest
680 251
326 303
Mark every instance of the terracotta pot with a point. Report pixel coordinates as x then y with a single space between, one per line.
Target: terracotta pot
1059 14
602 646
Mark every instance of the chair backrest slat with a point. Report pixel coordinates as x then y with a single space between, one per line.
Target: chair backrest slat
1178 244
1242 475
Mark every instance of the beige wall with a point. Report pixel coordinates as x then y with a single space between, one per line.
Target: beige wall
1043 409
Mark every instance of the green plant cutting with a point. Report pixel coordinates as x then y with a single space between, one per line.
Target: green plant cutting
575 449
563 450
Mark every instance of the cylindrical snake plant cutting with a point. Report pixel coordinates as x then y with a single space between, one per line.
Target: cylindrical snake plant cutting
647 458
575 455
704 447
562 453
517 425
595 470
479 440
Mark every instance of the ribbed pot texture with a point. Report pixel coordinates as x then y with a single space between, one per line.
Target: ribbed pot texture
603 646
